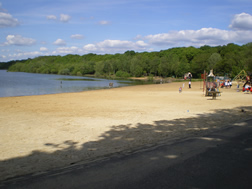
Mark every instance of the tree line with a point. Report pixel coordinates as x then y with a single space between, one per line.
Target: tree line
228 60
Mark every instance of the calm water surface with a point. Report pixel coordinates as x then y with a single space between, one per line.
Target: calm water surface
27 84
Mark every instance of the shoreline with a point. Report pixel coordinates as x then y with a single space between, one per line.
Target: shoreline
44 132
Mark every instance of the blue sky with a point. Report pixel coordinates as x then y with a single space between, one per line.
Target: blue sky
30 28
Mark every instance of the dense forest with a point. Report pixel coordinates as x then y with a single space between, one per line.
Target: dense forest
228 60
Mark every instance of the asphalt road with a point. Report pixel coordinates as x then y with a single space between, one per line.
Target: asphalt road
221 159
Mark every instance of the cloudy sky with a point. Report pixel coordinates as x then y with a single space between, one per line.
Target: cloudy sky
30 28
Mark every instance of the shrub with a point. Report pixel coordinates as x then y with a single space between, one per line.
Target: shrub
122 74
79 74
150 77
65 71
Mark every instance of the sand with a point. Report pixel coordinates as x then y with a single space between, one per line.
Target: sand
45 132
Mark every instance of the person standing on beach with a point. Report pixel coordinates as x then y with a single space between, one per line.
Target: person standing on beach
189 84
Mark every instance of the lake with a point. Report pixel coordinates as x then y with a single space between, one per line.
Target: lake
27 84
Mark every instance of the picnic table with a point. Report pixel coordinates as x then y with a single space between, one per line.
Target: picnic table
214 94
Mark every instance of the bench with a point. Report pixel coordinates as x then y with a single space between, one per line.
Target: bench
214 93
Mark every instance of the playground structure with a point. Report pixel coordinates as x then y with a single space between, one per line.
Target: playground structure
243 79
188 76
212 83
211 86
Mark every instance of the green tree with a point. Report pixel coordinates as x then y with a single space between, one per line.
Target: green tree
199 64
154 65
130 53
230 58
64 71
248 56
99 66
182 67
213 59
136 68
108 67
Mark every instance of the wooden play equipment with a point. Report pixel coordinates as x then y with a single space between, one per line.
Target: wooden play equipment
211 86
188 76
243 79
240 77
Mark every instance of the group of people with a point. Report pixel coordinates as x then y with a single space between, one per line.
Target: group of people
227 84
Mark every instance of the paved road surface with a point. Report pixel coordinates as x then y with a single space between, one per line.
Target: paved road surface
220 160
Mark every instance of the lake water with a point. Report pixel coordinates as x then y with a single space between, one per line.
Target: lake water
27 84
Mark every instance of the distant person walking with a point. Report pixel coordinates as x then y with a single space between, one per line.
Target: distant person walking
189 84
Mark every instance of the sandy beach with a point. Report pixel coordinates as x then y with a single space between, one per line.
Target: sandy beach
40 133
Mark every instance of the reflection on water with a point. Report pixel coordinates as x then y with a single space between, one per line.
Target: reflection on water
26 84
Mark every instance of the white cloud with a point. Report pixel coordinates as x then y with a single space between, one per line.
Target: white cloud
141 44
115 46
6 20
138 37
59 42
43 49
241 21
22 55
19 40
3 57
240 33
104 22
204 36
51 17
90 47
68 50
77 36
64 18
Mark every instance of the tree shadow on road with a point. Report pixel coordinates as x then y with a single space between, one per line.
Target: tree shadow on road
120 139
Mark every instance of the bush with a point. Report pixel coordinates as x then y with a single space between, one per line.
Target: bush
122 74
150 77
79 74
65 71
